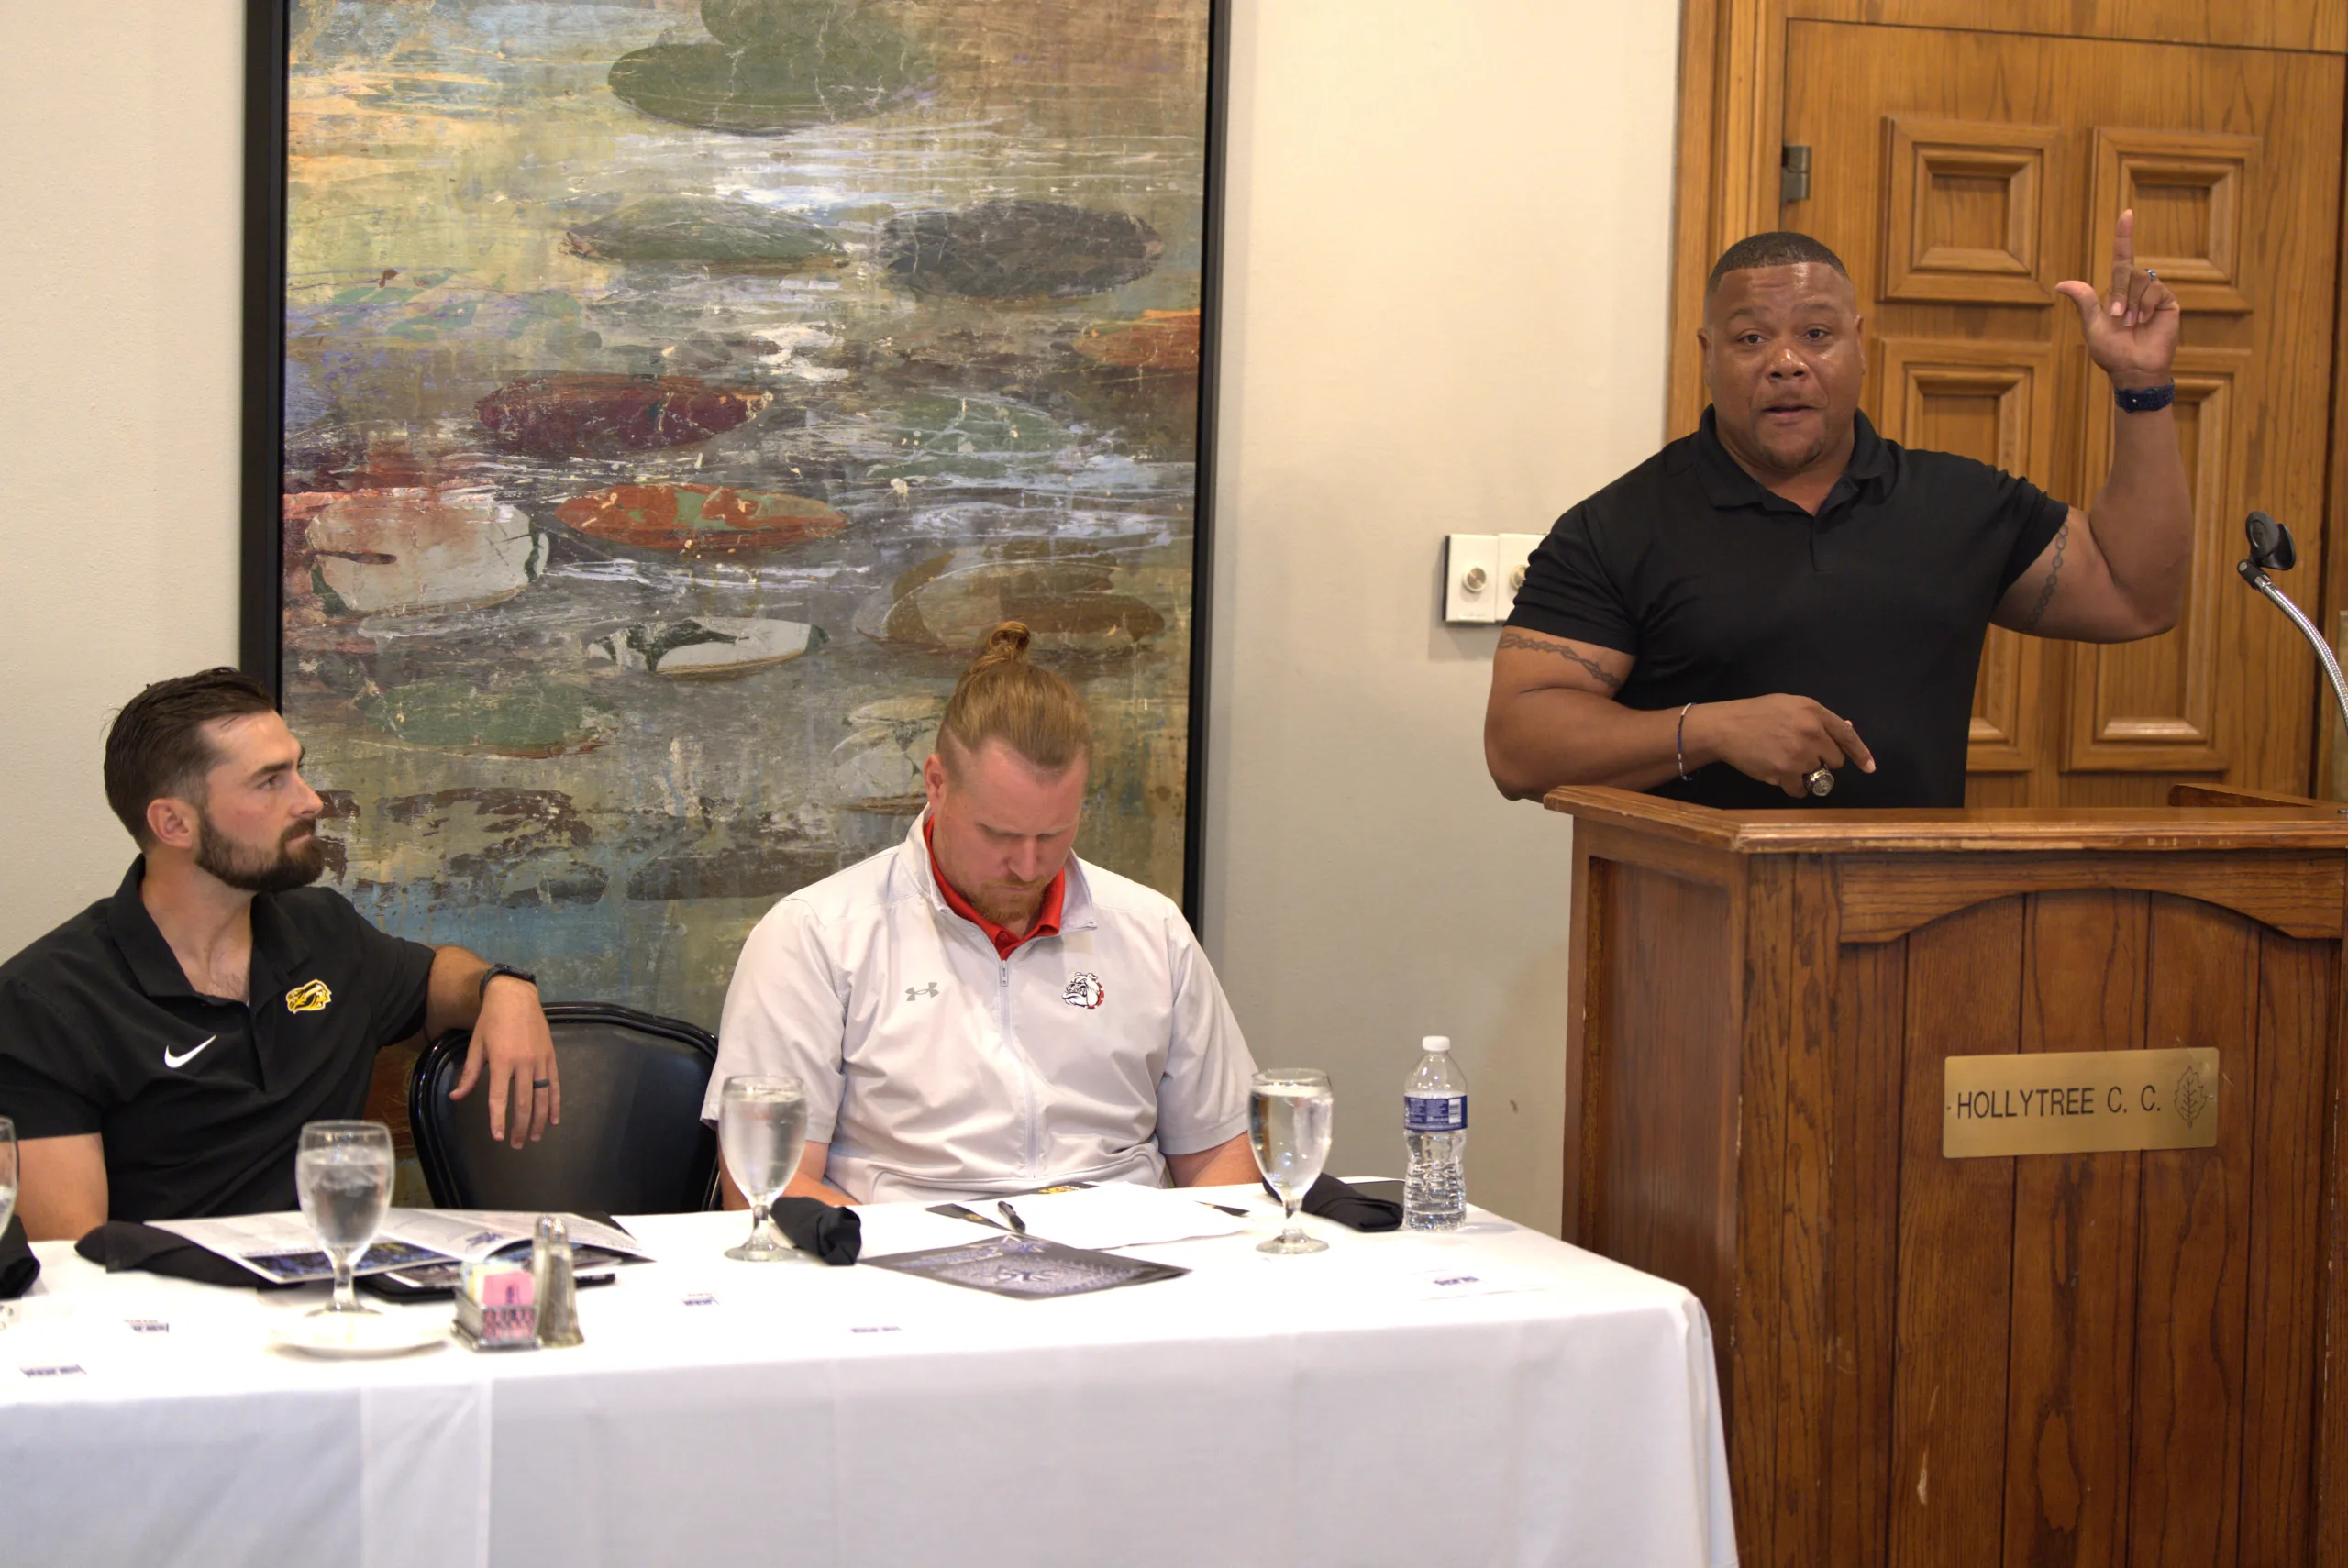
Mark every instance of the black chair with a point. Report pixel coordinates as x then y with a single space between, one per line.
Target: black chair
631 1139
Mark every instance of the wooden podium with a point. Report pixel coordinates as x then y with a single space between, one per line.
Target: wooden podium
2128 1357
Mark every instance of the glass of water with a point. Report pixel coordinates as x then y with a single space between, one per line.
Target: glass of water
343 1177
7 1196
1290 1114
761 1131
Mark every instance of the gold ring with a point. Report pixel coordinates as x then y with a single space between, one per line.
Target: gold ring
1818 781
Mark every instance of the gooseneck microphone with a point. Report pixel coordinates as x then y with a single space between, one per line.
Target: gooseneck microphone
2271 550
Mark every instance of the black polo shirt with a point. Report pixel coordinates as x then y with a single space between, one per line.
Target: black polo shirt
1876 607
200 1100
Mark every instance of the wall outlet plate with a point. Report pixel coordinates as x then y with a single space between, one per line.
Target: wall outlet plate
1471 578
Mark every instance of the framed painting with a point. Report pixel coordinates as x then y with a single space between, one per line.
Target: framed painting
651 404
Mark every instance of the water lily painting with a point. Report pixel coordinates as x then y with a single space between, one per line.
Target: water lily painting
672 393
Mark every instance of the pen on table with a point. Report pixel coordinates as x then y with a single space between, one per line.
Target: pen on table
1013 1215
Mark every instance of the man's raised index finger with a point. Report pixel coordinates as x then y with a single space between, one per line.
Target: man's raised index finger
2124 251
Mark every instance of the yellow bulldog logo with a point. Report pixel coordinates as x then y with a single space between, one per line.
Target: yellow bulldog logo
310 995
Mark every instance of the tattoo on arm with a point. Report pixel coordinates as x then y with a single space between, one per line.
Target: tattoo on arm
1512 639
2054 574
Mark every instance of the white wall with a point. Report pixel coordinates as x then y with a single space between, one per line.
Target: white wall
120 192
1444 311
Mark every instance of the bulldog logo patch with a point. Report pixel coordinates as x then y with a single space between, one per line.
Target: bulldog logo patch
1084 990
310 995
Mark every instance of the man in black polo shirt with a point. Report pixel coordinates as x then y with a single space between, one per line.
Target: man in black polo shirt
1727 621
161 1051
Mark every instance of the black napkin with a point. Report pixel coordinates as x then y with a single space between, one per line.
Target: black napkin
833 1235
122 1244
1333 1199
18 1267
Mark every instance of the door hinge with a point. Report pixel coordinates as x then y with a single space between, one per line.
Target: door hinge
1793 173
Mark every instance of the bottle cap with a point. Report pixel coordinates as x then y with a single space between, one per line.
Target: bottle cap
1435 1042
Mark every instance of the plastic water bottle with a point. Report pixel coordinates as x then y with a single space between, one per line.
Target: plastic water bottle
1435 1125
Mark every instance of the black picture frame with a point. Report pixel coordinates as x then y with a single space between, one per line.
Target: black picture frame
262 433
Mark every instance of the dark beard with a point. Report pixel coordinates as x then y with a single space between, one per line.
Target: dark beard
253 873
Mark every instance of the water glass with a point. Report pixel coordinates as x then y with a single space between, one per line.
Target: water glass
762 1131
1291 1114
343 1177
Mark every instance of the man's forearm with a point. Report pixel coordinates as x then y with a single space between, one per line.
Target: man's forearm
2144 515
807 1181
1228 1164
805 1186
453 998
1557 736
61 1191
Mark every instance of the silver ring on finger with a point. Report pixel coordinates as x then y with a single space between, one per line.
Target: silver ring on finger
1819 783
2150 274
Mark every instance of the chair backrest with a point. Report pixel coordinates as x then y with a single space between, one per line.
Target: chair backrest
631 1139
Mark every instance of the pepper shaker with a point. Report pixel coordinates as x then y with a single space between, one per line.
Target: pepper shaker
556 1284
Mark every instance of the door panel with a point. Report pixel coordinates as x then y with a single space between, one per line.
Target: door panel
1965 221
2185 188
1960 175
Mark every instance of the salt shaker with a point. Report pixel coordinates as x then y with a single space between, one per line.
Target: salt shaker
555 1284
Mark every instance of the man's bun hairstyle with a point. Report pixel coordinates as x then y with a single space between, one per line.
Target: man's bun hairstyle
156 747
1003 697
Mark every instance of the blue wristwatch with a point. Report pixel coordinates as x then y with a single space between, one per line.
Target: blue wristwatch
2146 400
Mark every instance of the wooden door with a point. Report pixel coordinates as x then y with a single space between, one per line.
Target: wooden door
1961 175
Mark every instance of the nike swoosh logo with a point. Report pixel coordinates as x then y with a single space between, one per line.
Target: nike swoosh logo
176 1061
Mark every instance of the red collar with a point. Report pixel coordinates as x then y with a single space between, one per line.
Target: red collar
1047 917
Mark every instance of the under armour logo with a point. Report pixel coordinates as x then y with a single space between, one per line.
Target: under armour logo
914 993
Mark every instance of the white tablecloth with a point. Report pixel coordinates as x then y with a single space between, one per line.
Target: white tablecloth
1493 1398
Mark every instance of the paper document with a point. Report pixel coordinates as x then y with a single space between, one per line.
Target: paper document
1027 1268
284 1248
911 1227
1115 1214
477 1232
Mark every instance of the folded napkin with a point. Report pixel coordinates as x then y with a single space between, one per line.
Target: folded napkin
18 1267
122 1244
833 1235
1333 1199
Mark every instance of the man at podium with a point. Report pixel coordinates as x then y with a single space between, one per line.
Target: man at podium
1783 603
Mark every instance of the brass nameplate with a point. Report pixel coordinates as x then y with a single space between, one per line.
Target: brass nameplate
2079 1102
